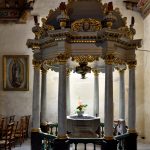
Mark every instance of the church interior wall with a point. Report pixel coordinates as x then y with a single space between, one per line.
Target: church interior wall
13 39
146 77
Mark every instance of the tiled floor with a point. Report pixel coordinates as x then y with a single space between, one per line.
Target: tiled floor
26 146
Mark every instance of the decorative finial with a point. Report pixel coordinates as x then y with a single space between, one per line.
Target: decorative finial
62 6
62 18
110 6
35 19
132 21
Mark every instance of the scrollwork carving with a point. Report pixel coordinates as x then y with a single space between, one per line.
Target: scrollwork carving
88 58
86 25
132 64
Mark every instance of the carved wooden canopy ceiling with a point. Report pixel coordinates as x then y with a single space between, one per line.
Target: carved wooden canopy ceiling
15 10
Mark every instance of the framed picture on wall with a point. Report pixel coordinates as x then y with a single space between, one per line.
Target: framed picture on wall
16 72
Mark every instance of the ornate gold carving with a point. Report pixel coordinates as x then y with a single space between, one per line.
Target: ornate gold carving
43 70
132 64
38 130
86 25
96 71
62 57
36 64
46 26
109 59
126 32
68 71
118 61
88 58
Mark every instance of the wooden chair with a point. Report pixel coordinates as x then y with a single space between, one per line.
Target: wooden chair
27 125
13 138
11 118
1 126
5 142
20 131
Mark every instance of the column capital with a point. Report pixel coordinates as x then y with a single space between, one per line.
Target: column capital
36 64
121 68
43 70
132 64
68 71
62 58
96 72
109 59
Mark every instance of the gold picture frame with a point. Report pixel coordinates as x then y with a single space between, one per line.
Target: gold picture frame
16 72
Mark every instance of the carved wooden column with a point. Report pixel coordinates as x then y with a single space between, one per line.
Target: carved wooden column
96 92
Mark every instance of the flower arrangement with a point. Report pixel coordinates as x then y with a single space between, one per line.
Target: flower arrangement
81 107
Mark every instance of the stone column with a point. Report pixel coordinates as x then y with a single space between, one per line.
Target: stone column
108 118
62 121
132 101
68 91
36 105
122 96
96 92
44 96
121 69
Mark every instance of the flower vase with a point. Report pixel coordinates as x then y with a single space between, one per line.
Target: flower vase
80 113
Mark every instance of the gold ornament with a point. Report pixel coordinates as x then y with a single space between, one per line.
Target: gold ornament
86 25
86 58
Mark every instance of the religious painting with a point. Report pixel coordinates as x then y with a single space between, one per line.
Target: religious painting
16 72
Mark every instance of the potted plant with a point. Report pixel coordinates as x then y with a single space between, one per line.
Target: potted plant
80 109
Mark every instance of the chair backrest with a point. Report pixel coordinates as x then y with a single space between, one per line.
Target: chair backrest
2 123
8 135
12 118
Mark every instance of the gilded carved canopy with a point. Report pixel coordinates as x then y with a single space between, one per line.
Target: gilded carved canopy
84 31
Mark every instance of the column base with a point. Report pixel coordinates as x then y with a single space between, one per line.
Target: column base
131 141
35 139
44 127
62 144
109 144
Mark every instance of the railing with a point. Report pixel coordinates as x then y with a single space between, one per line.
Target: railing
53 129
122 145
47 141
94 143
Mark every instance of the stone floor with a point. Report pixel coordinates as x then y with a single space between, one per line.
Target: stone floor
26 146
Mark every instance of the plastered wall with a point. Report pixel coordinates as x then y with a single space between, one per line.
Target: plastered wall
146 77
